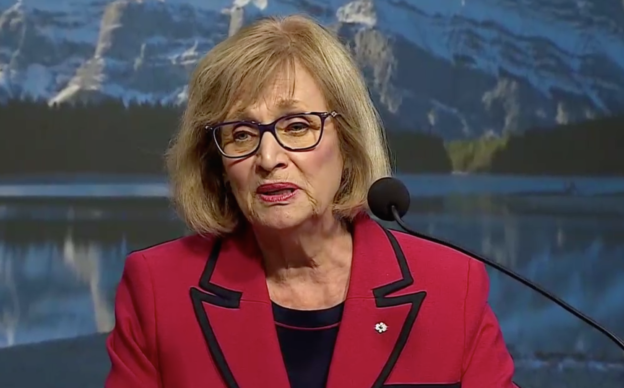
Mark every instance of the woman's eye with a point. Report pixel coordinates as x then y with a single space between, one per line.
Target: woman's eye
298 126
241 136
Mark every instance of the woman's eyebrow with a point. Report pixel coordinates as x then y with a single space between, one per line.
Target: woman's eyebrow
282 105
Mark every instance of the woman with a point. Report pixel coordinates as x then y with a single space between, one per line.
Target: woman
287 282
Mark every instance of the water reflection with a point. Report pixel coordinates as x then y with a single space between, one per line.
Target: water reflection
10 313
60 262
58 274
53 289
84 262
580 259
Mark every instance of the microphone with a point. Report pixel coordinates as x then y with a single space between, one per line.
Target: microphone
389 200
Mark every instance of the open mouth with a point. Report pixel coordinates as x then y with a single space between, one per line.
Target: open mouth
276 192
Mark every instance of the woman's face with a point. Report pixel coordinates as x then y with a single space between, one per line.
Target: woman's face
315 175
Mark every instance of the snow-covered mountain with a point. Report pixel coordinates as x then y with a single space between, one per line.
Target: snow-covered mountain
459 68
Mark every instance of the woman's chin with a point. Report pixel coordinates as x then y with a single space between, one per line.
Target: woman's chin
283 217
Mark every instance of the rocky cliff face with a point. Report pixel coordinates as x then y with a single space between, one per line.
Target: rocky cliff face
458 68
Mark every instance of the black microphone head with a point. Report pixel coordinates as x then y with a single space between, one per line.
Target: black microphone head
385 193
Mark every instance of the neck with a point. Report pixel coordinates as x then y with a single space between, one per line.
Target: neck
307 253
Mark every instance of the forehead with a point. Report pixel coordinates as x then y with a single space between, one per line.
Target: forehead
292 88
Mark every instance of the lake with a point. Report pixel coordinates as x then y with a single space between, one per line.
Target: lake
63 243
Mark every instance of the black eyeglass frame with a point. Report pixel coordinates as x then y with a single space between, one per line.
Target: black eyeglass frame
270 127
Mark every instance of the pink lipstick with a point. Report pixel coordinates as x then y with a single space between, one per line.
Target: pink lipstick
277 192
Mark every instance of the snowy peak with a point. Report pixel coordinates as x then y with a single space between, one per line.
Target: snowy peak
359 12
456 67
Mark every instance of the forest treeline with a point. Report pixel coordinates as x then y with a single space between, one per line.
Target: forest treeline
592 147
113 138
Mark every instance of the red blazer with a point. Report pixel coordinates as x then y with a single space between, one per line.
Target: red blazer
195 312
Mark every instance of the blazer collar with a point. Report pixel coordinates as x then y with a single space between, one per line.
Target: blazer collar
233 308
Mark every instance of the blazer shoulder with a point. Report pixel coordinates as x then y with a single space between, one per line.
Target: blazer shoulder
426 256
171 264
178 248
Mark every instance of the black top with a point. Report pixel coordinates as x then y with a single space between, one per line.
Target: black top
307 340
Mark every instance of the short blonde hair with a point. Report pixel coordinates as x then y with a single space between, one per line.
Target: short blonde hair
235 73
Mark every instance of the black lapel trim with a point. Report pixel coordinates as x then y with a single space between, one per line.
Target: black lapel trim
218 296
383 300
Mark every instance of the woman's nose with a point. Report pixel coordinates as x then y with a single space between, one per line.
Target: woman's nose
270 154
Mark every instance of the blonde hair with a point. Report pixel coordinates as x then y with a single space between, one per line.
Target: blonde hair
235 73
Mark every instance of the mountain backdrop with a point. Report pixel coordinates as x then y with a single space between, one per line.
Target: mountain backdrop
456 68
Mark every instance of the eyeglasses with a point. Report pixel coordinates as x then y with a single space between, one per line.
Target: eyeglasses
295 132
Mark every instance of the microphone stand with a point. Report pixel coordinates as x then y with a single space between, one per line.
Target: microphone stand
515 276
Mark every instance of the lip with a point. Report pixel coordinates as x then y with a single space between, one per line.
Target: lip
268 187
263 192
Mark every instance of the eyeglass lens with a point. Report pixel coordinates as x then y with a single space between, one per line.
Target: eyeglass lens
292 132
